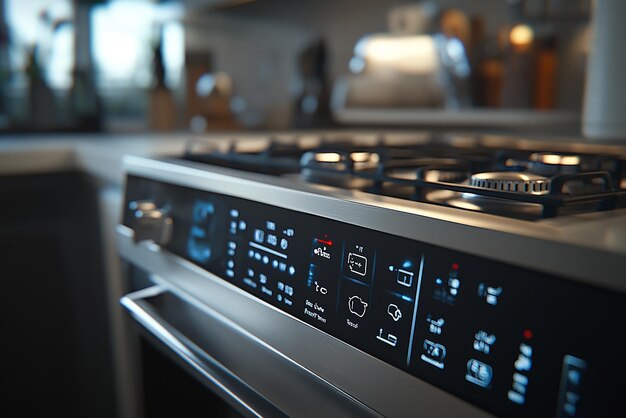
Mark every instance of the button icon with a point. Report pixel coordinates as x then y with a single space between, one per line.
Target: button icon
479 373
571 379
259 235
489 293
357 306
405 278
390 339
483 341
394 312
435 325
357 264
524 360
434 353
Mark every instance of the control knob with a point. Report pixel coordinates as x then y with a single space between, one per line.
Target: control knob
151 223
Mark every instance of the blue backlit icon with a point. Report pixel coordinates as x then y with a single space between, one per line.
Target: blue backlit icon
483 341
435 326
489 293
259 235
202 211
479 373
434 353
198 247
572 375
517 393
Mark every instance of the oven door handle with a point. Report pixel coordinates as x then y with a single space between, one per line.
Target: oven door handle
216 376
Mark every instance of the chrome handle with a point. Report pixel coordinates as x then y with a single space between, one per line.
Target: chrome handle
216 376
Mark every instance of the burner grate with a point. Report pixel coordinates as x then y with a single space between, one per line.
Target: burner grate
575 182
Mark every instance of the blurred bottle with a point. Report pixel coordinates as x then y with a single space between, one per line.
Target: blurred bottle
517 89
85 103
546 63
162 106
40 98
312 104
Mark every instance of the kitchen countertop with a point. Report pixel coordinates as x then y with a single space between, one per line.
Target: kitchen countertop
98 155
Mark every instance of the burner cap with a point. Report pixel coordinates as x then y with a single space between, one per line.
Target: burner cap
511 181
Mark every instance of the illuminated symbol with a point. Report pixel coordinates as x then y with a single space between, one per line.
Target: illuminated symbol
279 297
524 360
394 312
324 241
322 290
447 291
569 392
454 284
357 264
262 278
435 326
479 373
234 213
272 239
270 225
275 264
404 277
434 353
231 264
390 339
483 341
284 244
281 286
250 253
490 294
242 225
230 273
259 235
266 259
292 270
257 256
289 232
282 266
357 306
289 290
250 272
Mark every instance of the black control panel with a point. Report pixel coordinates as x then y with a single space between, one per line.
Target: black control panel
512 341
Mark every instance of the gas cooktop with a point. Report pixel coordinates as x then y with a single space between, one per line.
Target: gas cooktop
503 176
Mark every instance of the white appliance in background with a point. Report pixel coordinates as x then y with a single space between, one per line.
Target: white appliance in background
605 96
405 71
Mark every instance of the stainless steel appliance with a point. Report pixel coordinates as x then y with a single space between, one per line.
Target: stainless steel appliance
386 274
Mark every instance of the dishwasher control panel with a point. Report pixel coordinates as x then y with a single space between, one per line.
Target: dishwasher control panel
510 340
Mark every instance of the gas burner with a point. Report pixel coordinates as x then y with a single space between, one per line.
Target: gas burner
514 182
511 181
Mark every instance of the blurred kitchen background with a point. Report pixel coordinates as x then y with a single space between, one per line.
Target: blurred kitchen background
217 65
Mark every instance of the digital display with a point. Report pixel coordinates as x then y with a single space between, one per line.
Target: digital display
512 341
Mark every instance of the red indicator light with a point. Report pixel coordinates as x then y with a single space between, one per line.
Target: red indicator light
528 334
325 242
455 266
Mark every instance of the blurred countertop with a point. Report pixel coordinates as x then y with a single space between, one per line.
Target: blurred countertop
99 155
